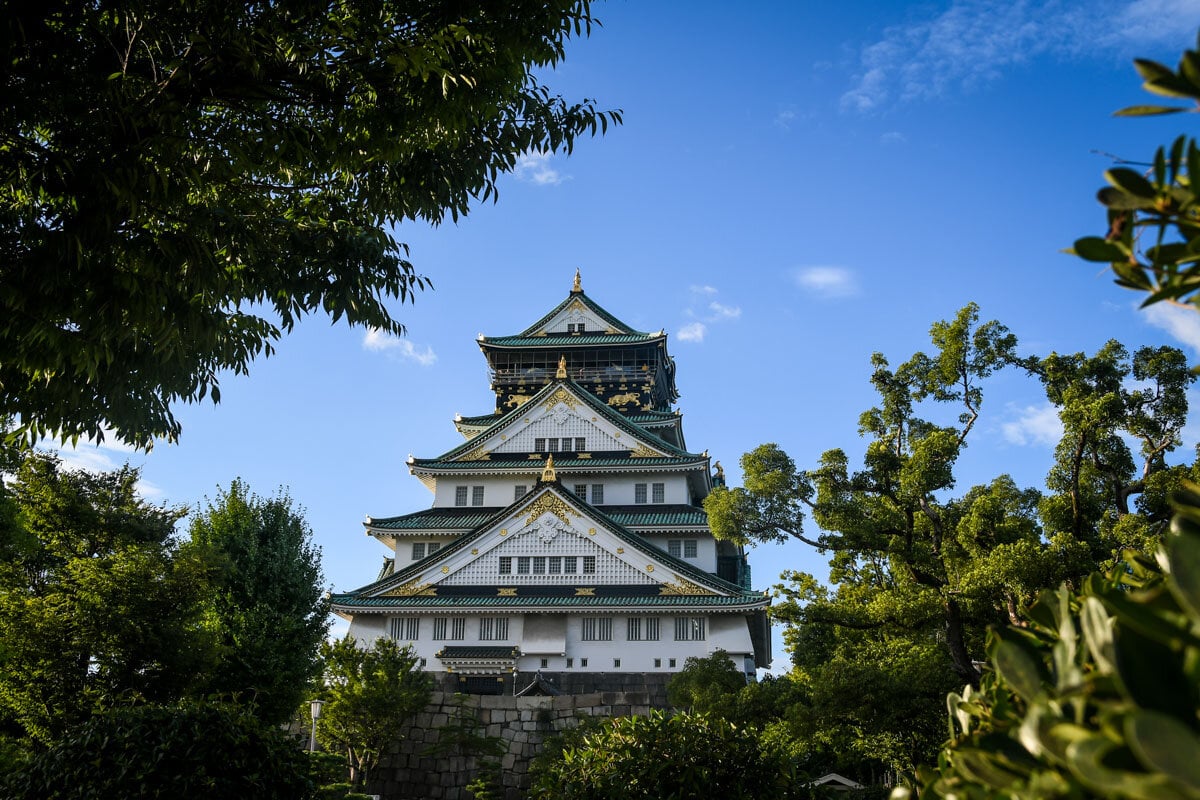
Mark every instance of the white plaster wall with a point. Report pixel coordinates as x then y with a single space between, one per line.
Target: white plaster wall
706 548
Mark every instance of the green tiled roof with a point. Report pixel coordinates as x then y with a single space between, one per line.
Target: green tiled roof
560 464
468 651
483 420
559 341
589 303
746 599
472 517
643 417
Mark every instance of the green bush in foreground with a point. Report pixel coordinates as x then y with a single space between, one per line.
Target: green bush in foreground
1099 696
153 752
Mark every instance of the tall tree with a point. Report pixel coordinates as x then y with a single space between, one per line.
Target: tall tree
98 607
182 181
265 604
370 696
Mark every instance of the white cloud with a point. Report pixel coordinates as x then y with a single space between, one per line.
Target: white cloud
826 281
693 332
379 341
1182 323
708 290
111 454
535 168
723 311
973 42
1034 425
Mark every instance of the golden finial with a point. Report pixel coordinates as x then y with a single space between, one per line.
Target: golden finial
548 473
562 368
720 470
578 287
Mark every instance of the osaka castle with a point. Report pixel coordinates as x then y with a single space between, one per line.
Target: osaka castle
566 549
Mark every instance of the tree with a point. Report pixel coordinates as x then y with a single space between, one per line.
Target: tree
370 696
98 608
184 181
266 603
704 683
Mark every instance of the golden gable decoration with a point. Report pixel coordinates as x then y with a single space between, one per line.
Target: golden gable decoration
682 588
642 451
564 397
412 589
478 454
552 503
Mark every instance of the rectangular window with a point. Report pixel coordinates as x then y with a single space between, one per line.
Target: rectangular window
569 565
518 492
633 629
539 565
674 548
493 629
545 663
657 662
580 444
418 551
523 565
570 663
476 495
552 445
596 629
458 629
460 495
689 629
589 565
640 629
597 494
505 565
671 663
651 629
434 547
539 445
581 491
639 493
406 629
555 565
583 662
689 548
616 663
439 629
658 493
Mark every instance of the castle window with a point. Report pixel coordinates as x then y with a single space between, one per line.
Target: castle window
505 565
569 565
405 629
539 565
477 495
552 445
581 491
570 663
659 493
674 548
418 551
616 663
689 548
493 629
545 663
460 495
639 493
583 662
633 629
555 565
689 629
539 445
671 663
580 443
597 494
657 662
639 629
433 548
523 565
651 629
596 629
457 628
519 491
589 565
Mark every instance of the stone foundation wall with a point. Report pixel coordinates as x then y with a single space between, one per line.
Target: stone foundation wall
653 684
410 771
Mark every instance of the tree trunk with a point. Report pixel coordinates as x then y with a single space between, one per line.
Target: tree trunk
964 667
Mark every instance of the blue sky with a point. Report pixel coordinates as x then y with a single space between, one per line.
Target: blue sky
796 186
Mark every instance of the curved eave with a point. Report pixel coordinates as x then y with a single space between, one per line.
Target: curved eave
571 341
432 467
345 604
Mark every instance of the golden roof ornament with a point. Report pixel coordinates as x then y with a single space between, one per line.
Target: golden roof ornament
578 287
562 368
548 475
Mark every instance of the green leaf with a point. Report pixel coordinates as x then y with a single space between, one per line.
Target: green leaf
1018 669
1087 760
1183 556
1096 248
1131 181
1147 110
1164 744
1118 199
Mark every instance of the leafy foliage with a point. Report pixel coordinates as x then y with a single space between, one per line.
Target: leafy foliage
370 695
155 752
664 756
1153 238
704 682
266 604
98 607
184 182
1098 695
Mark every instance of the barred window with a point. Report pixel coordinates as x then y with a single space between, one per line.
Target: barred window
493 629
689 629
589 565
569 565
406 629
658 493
639 493
580 443
476 495
519 492
505 565
460 495
523 565
458 629
552 445
596 629
434 547
555 565
581 491
689 548
539 565
651 629
639 629
539 444
633 629
674 548
418 551
597 494
439 629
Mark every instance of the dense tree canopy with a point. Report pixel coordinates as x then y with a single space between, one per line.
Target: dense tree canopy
265 604
182 181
